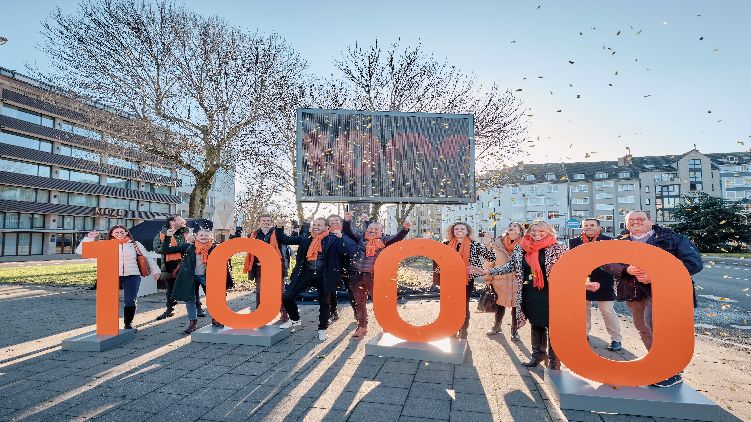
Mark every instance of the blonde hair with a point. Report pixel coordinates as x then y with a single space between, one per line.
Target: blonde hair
544 226
450 230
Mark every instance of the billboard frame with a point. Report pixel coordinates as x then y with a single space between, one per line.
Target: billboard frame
472 196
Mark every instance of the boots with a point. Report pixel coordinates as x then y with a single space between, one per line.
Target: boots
216 323
514 329
496 329
555 363
539 347
191 327
128 313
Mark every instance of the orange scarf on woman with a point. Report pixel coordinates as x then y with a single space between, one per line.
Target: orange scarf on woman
125 239
374 244
172 242
464 248
315 246
249 258
202 250
510 244
532 249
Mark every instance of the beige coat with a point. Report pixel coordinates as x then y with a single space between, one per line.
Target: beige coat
505 285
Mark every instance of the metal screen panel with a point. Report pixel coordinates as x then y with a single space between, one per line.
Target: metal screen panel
364 156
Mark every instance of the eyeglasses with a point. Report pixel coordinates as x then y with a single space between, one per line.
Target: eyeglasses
119 232
637 220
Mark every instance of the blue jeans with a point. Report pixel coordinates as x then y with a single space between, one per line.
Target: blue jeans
190 305
131 284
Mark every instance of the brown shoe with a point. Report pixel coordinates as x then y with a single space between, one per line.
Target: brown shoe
216 323
359 333
191 327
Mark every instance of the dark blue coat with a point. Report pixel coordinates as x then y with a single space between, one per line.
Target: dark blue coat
607 286
678 245
334 251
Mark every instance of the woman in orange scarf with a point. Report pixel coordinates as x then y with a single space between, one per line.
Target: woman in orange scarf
531 261
504 285
460 238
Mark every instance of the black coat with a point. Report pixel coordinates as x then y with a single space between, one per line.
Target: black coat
334 250
185 282
606 292
678 245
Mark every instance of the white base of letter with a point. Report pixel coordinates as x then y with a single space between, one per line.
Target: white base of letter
91 342
262 336
448 350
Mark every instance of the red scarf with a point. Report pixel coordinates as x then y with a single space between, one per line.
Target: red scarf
532 249
464 248
374 244
510 244
315 246
585 239
202 250
173 242
249 258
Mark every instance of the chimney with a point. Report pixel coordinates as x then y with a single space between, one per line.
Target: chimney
520 165
624 161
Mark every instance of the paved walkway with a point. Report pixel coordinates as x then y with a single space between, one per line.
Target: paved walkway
163 376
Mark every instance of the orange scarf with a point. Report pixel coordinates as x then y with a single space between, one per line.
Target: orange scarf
464 248
173 242
374 245
202 250
125 239
510 244
532 249
585 239
249 258
315 246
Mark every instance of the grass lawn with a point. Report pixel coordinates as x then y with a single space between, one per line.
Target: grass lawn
80 274
746 255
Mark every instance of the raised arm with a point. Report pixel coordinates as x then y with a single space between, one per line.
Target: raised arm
282 237
173 249
350 232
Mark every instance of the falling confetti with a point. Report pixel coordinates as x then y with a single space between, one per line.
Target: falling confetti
571 61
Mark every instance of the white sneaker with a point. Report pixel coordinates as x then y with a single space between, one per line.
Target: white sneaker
289 324
322 335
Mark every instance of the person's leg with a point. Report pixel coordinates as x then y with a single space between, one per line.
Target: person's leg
553 362
290 294
324 303
496 328
131 284
465 326
637 311
538 338
258 287
589 316
333 301
612 323
348 280
514 327
360 293
197 294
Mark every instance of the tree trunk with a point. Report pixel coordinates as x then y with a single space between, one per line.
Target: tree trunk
300 211
199 195
375 210
402 212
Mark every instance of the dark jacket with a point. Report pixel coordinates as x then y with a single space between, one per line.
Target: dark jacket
361 243
254 272
185 281
168 267
606 292
334 249
681 247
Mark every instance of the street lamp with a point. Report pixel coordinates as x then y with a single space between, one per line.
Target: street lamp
3 40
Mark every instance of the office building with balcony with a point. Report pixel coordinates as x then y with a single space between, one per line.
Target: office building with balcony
59 180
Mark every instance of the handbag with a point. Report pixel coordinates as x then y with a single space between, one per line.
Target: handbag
142 262
487 302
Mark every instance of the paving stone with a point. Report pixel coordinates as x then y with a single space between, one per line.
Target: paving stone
252 368
26 399
95 407
163 375
393 379
375 412
471 403
154 402
581 416
183 386
253 393
132 390
435 377
182 412
431 391
386 395
230 382
427 408
207 397
120 415
325 415
464 416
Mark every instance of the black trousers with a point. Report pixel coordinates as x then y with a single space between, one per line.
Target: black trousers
470 289
170 282
350 295
307 280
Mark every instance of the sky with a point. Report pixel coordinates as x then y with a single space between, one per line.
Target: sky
658 77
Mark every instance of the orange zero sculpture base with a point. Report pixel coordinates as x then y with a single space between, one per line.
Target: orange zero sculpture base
672 315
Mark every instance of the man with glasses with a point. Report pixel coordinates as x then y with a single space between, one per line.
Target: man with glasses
633 284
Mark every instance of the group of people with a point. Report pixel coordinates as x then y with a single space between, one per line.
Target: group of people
332 252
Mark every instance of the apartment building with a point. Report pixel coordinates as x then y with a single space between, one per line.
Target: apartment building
735 176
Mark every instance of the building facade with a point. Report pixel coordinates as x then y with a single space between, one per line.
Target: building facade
60 180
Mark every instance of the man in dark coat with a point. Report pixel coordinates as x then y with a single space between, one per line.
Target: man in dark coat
265 233
170 261
604 295
335 222
633 284
318 264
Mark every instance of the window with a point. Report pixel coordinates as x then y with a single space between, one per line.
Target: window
668 190
78 176
552 188
666 177
25 141
517 202
626 199
579 188
646 189
550 176
78 199
535 215
515 189
12 193
604 184
605 217
119 162
74 152
122 204
166 190
157 170
580 201
580 213
626 187
604 207
78 130
25 168
529 177
601 175
122 183
519 215
156 207
552 202
536 200
27 115
579 176
603 195
624 174
694 163
730 182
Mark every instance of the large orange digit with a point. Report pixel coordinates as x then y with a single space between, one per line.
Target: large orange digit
673 313
271 286
453 290
107 255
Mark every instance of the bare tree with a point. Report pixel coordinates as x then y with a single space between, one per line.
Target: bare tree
194 88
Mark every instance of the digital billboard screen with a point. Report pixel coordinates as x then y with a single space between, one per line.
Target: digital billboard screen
372 156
